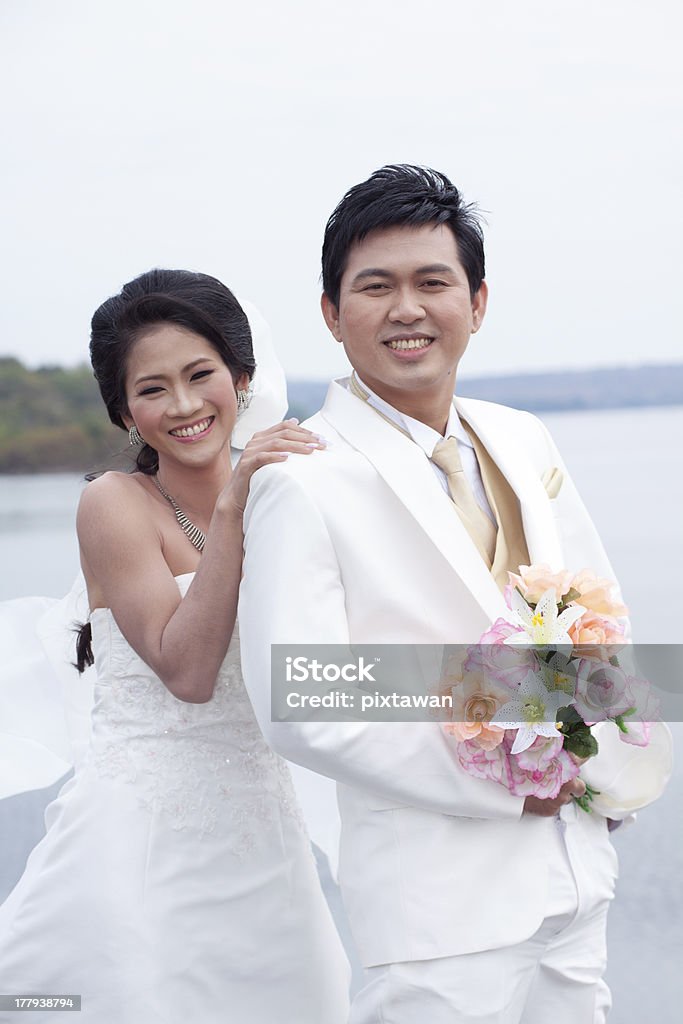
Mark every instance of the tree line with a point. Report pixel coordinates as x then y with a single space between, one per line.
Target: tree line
52 420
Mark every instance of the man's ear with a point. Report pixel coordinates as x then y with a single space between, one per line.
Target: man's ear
479 303
331 315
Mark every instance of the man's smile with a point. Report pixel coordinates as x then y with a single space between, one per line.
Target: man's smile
409 343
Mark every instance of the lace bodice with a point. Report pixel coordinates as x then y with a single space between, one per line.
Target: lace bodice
204 766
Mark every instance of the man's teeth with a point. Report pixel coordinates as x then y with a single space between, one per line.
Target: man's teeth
190 431
407 343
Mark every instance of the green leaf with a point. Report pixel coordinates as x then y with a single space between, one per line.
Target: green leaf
582 743
570 717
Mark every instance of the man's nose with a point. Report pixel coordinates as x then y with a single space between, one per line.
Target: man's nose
407 307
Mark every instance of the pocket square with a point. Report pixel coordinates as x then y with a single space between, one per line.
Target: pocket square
552 481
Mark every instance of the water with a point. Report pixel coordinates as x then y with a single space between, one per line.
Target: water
38 547
627 466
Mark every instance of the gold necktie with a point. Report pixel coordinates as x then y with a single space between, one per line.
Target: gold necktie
480 528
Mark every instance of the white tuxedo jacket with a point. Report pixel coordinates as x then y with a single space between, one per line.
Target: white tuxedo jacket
360 544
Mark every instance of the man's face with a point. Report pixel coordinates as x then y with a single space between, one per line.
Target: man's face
405 315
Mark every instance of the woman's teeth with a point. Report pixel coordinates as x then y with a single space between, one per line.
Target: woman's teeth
190 431
407 343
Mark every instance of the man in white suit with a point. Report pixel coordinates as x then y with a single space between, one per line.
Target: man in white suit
466 903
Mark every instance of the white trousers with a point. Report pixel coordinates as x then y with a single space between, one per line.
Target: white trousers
554 976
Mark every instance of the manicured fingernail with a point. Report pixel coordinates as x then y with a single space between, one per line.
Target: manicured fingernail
292 419
314 444
321 438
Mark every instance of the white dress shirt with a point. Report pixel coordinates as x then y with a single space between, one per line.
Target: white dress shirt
427 438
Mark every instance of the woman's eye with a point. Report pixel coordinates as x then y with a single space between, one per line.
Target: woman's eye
150 391
200 374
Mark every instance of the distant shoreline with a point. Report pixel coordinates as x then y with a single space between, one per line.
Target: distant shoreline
618 387
52 419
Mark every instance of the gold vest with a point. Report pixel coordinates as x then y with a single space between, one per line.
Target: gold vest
511 548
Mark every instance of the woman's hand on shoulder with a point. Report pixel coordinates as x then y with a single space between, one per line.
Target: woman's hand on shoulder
267 446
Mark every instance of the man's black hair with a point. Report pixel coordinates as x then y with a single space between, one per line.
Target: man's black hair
401 195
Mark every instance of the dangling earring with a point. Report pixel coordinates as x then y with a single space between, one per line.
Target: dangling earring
135 436
244 396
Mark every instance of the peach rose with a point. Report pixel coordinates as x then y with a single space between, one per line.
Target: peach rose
595 629
597 594
475 702
597 635
534 580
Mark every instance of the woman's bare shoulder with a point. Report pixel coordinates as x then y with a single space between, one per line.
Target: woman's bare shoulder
109 503
112 487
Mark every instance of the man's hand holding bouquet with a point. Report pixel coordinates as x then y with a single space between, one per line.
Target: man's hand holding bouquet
528 696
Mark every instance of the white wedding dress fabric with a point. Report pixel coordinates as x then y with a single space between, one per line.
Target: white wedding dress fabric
176 880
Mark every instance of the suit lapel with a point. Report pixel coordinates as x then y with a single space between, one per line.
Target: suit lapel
404 468
507 451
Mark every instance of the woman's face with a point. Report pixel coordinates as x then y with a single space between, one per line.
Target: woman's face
180 394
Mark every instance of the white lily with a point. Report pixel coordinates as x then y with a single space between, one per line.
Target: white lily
542 625
532 714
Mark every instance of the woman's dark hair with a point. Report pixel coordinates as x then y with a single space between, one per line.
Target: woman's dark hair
401 195
197 302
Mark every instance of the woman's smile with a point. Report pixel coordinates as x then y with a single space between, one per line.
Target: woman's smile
193 431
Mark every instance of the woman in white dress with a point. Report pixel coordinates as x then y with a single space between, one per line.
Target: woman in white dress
176 880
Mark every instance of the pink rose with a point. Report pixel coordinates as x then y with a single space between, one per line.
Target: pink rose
544 782
601 692
499 632
638 734
642 698
648 710
453 669
484 764
500 663
540 754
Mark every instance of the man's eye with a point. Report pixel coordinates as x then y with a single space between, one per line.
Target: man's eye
434 283
375 287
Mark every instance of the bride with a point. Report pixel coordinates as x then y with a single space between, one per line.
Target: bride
176 879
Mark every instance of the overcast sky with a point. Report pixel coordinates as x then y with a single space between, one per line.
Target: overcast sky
218 136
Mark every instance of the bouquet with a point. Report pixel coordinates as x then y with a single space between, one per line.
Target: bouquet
525 696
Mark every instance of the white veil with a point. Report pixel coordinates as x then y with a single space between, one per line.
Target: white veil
269 387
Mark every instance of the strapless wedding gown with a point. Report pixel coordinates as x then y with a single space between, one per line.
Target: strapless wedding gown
176 881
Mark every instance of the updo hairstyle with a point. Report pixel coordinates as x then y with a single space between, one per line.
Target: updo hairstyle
197 302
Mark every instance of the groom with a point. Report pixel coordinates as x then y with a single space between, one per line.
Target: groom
466 902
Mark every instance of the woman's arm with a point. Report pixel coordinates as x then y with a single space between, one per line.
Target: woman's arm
183 640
